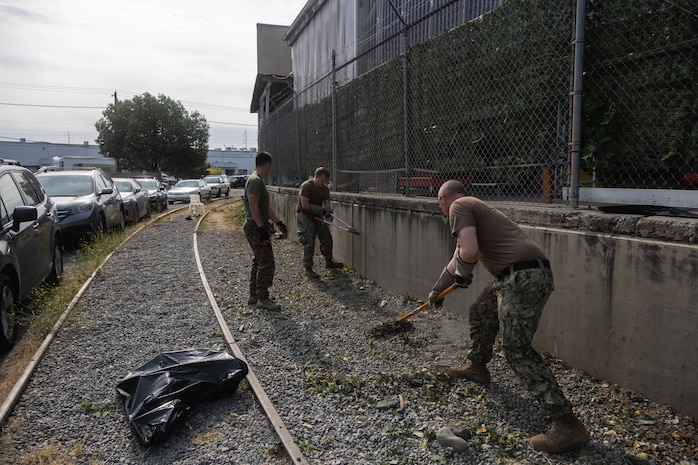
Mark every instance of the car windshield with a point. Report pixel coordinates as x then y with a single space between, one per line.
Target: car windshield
66 186
124 186
212 180
148 183
185 183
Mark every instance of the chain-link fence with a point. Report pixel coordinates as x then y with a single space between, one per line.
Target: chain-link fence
488 102
640 107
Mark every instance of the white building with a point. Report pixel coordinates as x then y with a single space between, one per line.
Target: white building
34 155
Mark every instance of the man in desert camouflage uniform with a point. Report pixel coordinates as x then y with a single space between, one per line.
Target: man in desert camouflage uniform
512 302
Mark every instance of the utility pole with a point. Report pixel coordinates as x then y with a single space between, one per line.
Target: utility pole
114 95
244 137
68 135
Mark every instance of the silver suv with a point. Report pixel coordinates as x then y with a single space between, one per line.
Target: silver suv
87 201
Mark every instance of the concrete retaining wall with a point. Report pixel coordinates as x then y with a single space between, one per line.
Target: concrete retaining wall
625 303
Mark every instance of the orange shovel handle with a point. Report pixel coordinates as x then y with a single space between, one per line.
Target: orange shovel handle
426 304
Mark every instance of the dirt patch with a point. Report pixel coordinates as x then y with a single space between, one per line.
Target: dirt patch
227 216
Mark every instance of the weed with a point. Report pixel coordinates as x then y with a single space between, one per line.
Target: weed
273 450
98 411
208 438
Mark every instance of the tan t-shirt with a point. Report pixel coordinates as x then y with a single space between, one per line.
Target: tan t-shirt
317 195
501 241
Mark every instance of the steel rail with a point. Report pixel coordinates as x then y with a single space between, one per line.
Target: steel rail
286 439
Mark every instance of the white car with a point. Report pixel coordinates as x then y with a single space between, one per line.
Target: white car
181 191
219 186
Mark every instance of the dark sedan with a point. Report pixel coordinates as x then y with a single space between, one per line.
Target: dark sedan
30 244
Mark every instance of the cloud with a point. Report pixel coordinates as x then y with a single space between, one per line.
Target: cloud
201 52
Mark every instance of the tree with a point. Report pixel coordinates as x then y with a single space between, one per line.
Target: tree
154 134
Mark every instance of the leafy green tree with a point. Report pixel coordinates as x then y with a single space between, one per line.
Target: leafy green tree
154 134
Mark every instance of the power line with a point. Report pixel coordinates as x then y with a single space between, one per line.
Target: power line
110 92
50 106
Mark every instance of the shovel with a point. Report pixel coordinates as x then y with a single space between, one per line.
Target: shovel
426 304
443 294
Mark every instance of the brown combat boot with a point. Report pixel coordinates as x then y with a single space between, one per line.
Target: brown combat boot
567 432
252 299
329 263
472 371
268 304
310 273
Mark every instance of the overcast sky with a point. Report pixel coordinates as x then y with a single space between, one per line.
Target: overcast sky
57 55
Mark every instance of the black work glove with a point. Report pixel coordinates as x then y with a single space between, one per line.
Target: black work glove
263 232
282 229
328 214
463 282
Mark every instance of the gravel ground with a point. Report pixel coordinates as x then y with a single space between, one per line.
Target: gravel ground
316 358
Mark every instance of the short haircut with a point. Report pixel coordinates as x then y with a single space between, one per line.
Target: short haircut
322 171
262 158
453 187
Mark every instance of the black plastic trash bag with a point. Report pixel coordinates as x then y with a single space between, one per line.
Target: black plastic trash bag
160 393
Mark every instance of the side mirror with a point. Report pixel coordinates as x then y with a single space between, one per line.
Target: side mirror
21 214
107 191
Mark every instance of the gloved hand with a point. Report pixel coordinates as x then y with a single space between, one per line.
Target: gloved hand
463 282
317 210
263 232
329 215
433 295
282 229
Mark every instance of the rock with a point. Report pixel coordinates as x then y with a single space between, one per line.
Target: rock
446 438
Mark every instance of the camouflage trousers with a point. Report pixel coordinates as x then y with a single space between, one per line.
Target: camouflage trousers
515 304
263 266
308 229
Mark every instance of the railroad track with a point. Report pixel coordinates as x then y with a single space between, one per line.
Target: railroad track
291 448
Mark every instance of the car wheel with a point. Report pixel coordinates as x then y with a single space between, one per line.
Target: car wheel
164 205
8 323
54 278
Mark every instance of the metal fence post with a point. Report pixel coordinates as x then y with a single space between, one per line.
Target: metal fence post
334 119
576 142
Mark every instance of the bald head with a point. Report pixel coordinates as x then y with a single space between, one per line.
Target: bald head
452 188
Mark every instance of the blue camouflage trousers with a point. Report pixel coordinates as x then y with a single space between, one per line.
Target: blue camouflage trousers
263 266
515 304
308 229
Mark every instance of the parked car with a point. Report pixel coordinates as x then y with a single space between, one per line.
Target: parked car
157 193
181 191
30 244
239 182
218 186
135 198
226 180
87 201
